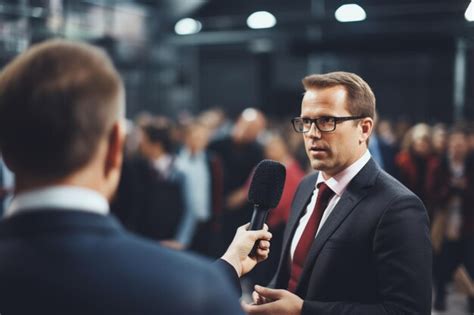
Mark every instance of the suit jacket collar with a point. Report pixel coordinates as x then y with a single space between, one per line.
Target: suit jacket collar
354 193
54 220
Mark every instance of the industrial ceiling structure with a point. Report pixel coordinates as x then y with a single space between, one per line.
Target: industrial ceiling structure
175 66
224 21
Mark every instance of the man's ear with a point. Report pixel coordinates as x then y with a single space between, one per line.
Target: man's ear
366 125
115 144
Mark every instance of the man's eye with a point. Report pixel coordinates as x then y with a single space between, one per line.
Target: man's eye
326 120
306 121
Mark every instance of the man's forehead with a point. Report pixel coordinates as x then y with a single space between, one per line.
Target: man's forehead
337 92
333 98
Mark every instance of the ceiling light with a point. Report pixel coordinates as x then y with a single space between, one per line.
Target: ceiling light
350 13
187 26
261 19
469 14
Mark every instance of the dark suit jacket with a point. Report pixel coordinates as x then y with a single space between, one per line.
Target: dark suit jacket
146 203
74 262
372 255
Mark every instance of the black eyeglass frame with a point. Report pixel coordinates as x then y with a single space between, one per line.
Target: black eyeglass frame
317 120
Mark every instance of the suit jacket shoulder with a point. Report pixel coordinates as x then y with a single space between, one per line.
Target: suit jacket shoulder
73 262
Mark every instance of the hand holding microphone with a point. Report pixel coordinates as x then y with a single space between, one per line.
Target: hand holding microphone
265 192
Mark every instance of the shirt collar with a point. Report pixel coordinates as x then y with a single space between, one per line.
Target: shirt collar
59 197
339 182
163 163
186 154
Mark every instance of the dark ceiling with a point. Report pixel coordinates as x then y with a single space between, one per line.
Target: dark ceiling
314 20
311 20
411 44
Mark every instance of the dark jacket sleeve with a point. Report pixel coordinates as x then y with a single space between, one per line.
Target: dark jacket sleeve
231 274
221 297
403 258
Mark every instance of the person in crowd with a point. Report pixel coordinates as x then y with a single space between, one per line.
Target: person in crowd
150 198
202 190
239 153
439 137
276 149
414 160
357 241
382 151
134 133
451 183
62 134
384 130
470 138
215 119
400 129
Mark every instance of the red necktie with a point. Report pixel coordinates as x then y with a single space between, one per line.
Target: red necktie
304 244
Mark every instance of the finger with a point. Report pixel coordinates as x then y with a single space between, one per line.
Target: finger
261 256
257 299
264 244
262 253
260 235
265 227
268 293
255 309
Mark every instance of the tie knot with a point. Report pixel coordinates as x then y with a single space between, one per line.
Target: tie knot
324 192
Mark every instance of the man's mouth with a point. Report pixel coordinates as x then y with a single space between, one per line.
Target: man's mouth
317 149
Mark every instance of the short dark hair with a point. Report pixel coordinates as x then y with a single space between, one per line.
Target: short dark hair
57 101
159 131
361 99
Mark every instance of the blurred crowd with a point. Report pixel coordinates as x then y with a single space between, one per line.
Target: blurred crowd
184 183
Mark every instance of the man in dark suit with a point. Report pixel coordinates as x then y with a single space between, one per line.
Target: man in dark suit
357 240
61 133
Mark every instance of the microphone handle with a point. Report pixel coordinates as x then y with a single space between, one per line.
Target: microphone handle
256 223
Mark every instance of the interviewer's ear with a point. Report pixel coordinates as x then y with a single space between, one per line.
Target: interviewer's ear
115 144
113 160
366 125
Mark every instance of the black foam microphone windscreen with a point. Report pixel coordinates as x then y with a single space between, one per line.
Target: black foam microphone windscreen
265 190
267 184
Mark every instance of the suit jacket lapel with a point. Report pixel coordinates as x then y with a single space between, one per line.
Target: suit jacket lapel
354 193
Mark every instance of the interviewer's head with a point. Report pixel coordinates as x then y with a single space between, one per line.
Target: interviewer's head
61 105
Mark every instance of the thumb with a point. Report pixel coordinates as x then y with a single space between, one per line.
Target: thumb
268 293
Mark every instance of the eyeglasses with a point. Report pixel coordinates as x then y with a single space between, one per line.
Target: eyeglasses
324 123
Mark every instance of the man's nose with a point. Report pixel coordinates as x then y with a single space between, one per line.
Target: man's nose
314 132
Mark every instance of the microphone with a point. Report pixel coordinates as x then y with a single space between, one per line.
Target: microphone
265 192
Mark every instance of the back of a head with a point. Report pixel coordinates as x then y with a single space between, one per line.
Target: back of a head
57 101
360 98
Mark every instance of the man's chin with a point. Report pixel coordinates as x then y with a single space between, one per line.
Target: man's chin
318 165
